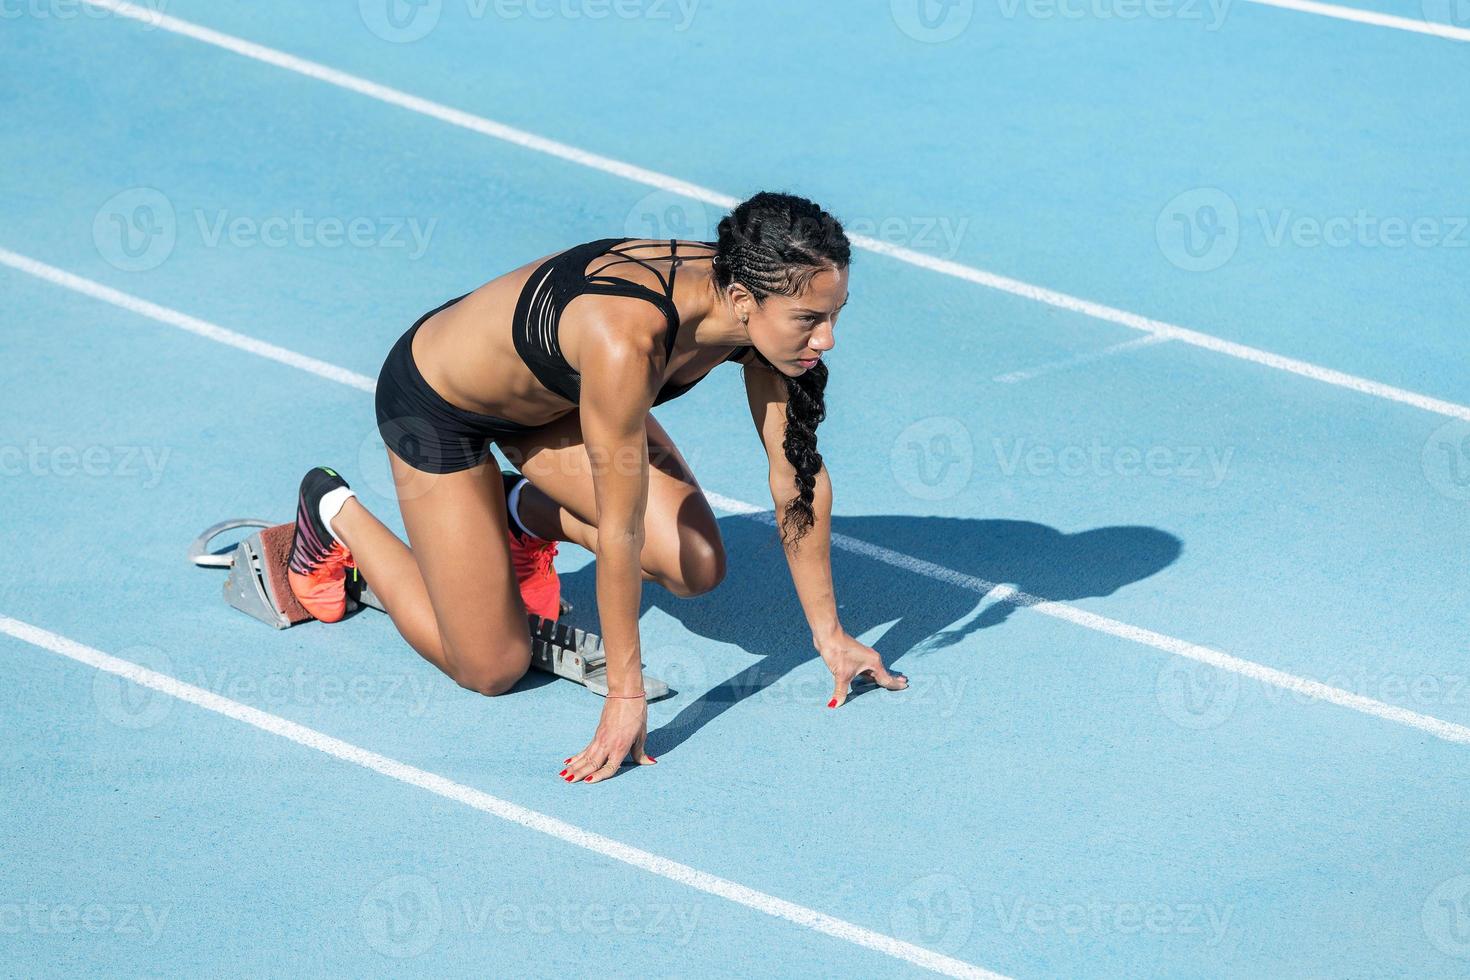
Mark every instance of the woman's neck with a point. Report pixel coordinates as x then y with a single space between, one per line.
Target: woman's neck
706 320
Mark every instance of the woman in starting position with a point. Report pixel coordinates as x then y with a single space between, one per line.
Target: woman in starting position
558 363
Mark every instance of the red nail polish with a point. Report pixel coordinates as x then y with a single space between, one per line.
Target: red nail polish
587 779
567 759
832 703
562 773
652 759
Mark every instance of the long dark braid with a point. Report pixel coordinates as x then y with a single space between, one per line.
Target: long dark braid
774 244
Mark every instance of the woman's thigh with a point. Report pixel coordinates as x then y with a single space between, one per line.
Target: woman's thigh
682 546
456 526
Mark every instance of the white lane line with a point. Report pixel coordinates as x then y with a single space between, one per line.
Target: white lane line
1169 331
183 321
504 809
1449 731
650 178
1066 364
403 100
1058 610
1372 17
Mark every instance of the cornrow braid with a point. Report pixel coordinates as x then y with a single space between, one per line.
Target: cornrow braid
773 245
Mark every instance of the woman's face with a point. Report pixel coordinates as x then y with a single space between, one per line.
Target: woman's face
793 332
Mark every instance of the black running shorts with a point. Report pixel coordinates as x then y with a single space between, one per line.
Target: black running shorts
426 431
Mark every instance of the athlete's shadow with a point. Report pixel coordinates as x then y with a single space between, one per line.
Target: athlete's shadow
911 582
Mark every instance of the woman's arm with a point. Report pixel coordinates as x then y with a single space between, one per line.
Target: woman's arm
619 383
621 366
810 560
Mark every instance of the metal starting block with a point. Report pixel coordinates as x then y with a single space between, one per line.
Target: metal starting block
257 585
559 648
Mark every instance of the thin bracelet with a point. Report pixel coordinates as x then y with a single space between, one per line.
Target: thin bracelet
638 695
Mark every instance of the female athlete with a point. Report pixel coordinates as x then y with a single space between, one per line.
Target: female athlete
558 364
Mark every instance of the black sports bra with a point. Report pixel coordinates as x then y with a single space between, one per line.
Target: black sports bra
562 278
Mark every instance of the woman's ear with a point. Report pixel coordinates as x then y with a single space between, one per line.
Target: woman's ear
742 301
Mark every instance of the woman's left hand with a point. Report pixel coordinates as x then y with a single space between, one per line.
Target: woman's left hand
848 658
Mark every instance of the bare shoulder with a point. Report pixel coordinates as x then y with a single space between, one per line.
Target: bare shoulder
594 326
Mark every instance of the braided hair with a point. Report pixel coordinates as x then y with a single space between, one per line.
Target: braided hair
774 245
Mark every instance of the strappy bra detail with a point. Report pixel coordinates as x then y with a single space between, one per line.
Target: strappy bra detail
564 277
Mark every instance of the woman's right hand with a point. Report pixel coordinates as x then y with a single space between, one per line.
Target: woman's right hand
623 731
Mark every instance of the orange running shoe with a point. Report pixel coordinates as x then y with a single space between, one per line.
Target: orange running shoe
532 558
319 562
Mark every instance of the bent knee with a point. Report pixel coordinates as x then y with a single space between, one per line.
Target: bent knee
702 569
493 672
490 683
